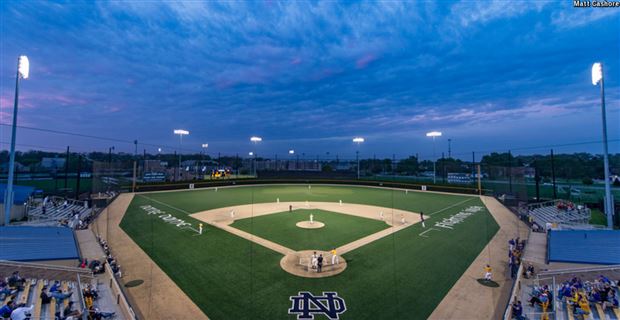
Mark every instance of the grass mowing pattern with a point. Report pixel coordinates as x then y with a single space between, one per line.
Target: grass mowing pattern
339 229
402 276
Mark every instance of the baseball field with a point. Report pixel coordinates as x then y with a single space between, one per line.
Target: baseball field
396 268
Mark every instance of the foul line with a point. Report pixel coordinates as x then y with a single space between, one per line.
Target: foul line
421 234
167 205
452 206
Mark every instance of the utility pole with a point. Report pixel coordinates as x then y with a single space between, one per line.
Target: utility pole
473 164
449 148
555 196
66 167
77 183
510 171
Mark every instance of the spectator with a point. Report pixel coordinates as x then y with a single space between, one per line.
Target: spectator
45 298
15 281
517 311
7 309
5 290
55 287
529 271
69 312
96 314
21 312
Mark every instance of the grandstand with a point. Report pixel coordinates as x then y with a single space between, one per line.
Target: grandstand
57 209
560 285
37 284
557 214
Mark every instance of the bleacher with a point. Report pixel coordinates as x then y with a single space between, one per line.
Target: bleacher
567 218
561 308
31 295
57 212
81 282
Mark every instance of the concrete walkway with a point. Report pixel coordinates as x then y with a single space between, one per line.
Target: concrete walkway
470 300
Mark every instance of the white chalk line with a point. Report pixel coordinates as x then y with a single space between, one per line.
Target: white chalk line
429 229
450 207
167 205
172 207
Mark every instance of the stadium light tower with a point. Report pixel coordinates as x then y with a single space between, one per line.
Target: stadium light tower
597 77
434 134
358 140
181 133
255 140
23 71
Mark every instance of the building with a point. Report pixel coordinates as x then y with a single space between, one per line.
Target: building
53 163
459 178
20 196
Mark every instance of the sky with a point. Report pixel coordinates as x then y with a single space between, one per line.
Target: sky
310 76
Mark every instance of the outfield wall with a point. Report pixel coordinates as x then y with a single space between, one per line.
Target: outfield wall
387 184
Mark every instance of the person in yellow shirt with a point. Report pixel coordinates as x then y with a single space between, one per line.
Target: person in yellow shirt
488 272
584 306
335 259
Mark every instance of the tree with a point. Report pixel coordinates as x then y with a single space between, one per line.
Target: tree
408 166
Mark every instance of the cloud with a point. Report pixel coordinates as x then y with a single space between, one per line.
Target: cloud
304 71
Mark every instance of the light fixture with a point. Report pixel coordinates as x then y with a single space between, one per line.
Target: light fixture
291 151
434 134
256 139
24 67
181 132
597 73
358 140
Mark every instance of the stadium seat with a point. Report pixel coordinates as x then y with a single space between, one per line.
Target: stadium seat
52 308
569 312
36 313
65 288
24 297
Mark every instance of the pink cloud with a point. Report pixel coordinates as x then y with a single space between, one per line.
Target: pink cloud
112 109
364 61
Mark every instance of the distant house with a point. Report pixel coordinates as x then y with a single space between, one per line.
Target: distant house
459 178
53 163
18 167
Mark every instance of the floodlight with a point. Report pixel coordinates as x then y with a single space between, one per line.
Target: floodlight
256 139
597 73
181 132
358 139
205 145
158 149
24 67
291 151
434 134
251 153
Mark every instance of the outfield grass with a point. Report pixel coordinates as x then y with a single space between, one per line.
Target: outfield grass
339 229
598 217
402 276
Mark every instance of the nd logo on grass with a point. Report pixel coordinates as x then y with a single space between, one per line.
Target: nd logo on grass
306 305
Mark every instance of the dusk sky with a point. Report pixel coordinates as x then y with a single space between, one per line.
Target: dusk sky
491 75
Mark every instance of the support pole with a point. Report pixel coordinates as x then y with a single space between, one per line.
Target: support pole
77 183
555 195
609 203
8 200
66 167
479 182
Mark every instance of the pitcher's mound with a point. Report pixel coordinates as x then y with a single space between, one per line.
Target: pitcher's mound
310 225
298 263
